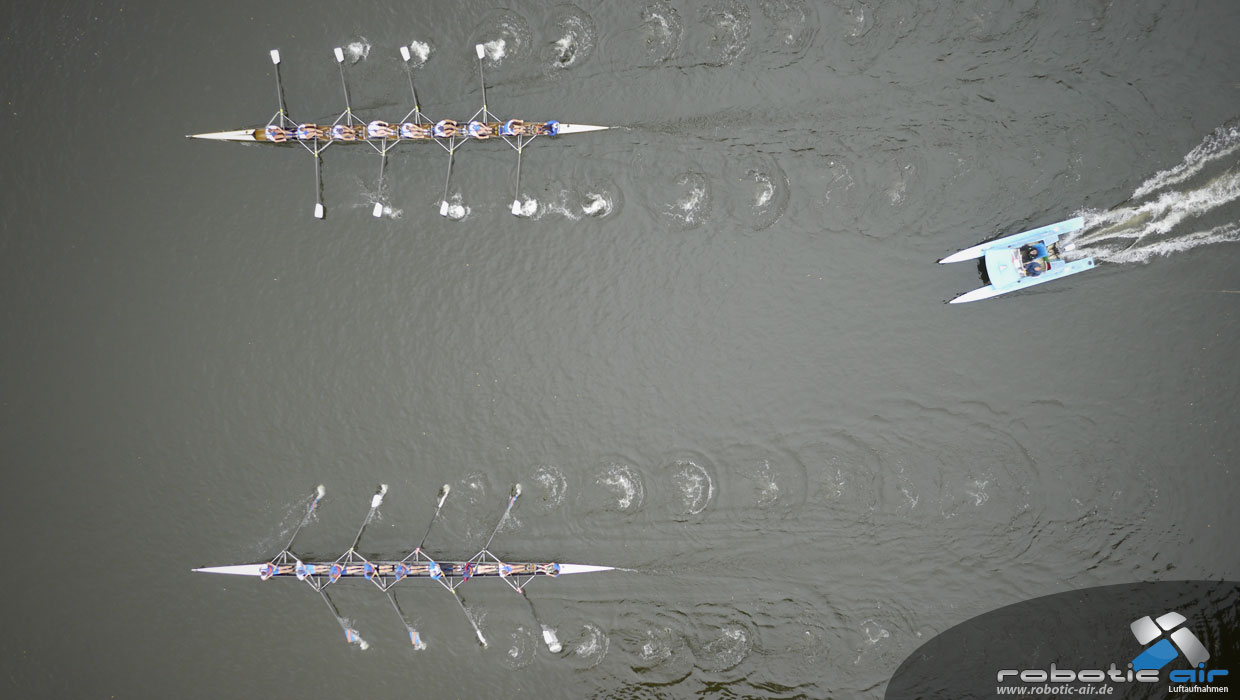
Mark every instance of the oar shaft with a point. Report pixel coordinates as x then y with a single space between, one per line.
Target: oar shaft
443 203
344 85
375 501
481 639
443 495
482 79
516 491
351 635
319 493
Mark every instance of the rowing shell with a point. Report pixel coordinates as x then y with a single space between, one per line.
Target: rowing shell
259 135
484 125
385 574
425 570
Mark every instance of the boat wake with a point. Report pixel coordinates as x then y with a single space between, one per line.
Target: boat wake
1175 210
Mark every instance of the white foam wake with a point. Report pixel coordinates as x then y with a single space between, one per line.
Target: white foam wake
1223 142
1165 214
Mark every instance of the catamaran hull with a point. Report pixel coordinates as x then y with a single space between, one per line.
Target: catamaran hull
991 290
1016 240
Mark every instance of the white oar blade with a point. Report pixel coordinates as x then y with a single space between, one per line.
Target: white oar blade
275 56
339 54
404 53
240 570
516 207
318 211
583 569
551 640
443 208
481 50
377 499
378 210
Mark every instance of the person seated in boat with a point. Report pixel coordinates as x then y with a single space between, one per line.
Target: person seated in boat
380 130
1033 251
445 128
309 132
1035 268
550 128
479 130
266 571
412 130
343 132
276 134
512 127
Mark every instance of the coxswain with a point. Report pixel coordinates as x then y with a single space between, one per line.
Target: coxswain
275 134
380 130
266 571
550 128
411 130
479 130
343 132
445 128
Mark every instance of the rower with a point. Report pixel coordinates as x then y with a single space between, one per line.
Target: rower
380 130
267 571
276 134
343 132
479 130
445 128
512 127
411 130
309 132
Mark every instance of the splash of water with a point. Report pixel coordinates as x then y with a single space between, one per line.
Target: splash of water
1161 216
421 51
358 50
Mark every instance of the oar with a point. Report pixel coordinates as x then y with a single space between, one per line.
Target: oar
481 639
443 203
318 185
319 493
482 52
350 635
404 54
548 632
283 113
348 109
516 195
375 501
414 638
378 210
443 495
516 491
